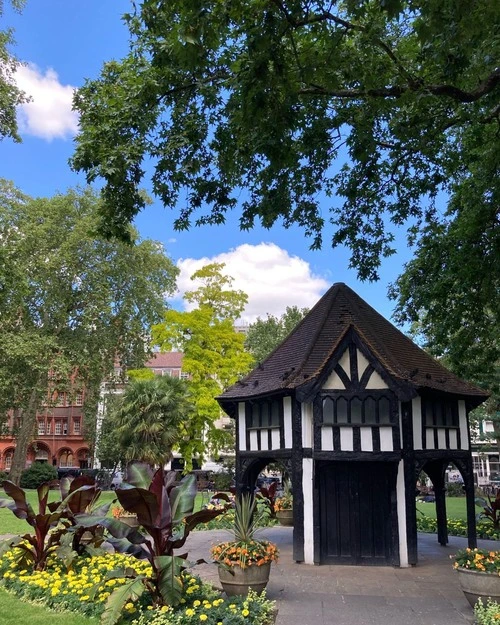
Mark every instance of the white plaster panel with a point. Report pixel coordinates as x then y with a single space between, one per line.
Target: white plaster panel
366 439
307 425
326 438
362 363
333 382
242 426
307 489
462 419
386 443
441 438
264 440
346 439
453 439
254 446
287 421
416 410
375 382
401 508
429 438
275 438
345 363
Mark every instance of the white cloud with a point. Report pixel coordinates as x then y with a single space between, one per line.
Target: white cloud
48 115
270 277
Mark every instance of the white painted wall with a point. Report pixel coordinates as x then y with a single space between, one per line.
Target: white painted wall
287 421
346 438
375 382
326 438
416 409
401 508
345 363
307 486
462 419
366 438
307 424
386 443
333 382
242 426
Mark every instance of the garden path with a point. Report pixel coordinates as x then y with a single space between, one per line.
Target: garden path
428 594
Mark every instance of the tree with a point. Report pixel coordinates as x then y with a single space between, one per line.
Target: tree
70 303
214 354
266 334
378 104
10 95
152 417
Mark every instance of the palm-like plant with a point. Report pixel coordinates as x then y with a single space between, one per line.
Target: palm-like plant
150 418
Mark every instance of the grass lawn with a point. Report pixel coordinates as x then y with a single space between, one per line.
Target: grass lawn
12 611
10 524
455 508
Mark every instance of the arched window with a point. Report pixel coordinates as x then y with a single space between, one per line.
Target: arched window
328 411
66 459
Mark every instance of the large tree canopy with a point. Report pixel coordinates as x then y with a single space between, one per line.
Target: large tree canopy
214 355
10 95
70 303
347 118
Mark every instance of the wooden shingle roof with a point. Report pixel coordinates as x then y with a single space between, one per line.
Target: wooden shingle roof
304 353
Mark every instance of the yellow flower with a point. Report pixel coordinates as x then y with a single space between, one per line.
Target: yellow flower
196 603
245 612
190 612
203 617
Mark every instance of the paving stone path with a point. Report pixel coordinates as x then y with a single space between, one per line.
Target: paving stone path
428 594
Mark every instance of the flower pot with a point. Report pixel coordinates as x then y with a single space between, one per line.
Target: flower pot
252 577
129 519
477 584
285 517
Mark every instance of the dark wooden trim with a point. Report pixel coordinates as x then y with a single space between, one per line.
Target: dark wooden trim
270 438
396 438
296 424
426 455
237 429
298 508
336 437
317 413
339 370
459 439
282 423
376 438
356 438
407 425
266 454
366 376
447 438
248 415
436 438
353 358
362 456
423 418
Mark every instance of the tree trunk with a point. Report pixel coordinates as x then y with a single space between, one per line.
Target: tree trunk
24 437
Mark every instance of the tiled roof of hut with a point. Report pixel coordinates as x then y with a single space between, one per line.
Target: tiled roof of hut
303 354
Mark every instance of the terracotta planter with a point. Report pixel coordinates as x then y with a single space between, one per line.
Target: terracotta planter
252 577
477 584
129 519
285 517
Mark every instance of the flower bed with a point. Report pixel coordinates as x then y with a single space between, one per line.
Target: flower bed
457 527
482 560
245 553
86 588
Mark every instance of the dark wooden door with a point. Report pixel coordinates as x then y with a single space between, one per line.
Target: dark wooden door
356 513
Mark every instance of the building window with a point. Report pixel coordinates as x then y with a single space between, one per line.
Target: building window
65 428
184 376
61 399
440 412
49 427
76 426
265 414
58 430
8 459
66 459
79 398
357 410
41 428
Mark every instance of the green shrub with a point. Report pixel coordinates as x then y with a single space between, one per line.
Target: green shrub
488 614
222 481
3 476
455 489
37 474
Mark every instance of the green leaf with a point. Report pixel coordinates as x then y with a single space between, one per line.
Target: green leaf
129 591
169 578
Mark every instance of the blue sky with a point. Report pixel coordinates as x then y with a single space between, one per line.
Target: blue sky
63 42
